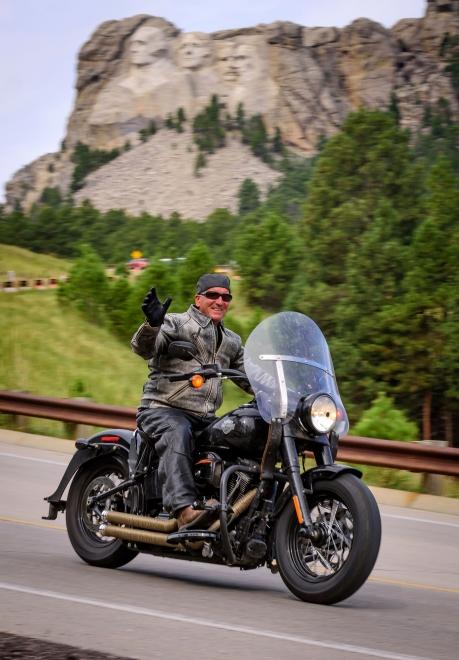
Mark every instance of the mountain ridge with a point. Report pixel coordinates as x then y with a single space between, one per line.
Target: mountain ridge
302 80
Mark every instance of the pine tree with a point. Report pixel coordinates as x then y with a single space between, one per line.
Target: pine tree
240 116
87 286
362 341
430 301
268 256
367 163
249 196
277 144
255 135
199 163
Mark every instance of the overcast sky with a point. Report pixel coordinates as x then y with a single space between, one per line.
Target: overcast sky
40 40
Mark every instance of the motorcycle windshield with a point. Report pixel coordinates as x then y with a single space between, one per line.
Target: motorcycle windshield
286 357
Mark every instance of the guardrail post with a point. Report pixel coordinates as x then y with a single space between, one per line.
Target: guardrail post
18 422
76 430
433 484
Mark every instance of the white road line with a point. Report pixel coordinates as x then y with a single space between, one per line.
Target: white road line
296 639
423 520
31 458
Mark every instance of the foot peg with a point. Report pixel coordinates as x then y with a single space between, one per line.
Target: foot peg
192 535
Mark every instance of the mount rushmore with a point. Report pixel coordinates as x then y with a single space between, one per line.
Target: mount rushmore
302 80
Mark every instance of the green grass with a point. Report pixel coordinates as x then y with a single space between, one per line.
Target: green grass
27 264
48 350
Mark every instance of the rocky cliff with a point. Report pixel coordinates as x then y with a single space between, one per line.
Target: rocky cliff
304 80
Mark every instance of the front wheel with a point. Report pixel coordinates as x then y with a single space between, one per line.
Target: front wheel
83 519
334 566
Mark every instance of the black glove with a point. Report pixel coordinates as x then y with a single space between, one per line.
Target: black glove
154 310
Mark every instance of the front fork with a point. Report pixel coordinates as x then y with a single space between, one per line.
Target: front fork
291 464
279 440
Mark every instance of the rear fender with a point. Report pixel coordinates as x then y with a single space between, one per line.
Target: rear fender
320 472
116 442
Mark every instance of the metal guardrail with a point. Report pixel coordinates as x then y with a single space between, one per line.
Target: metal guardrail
412 456
67 410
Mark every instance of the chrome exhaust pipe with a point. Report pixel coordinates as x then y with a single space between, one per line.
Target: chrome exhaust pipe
140 522
135 535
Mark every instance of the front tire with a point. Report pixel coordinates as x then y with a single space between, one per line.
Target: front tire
83 520
334 567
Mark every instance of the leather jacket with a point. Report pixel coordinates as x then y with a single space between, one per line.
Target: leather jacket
215 344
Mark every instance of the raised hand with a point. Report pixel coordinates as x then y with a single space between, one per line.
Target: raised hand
154 310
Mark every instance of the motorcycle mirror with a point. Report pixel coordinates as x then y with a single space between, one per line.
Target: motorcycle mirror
184 350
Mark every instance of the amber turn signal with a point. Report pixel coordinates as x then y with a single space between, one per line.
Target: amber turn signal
197 381
296 504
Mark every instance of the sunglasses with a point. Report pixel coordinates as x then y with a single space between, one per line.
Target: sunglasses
214 295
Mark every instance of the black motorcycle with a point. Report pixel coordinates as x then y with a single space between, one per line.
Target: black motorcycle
318 526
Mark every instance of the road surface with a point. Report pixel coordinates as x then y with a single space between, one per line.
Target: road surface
158 608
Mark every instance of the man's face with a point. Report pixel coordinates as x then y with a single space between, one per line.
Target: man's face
214 309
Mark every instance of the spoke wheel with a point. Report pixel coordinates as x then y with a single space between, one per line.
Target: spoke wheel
325 556
83 518
331 567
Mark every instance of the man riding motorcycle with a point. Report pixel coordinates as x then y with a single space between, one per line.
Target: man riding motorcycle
171 412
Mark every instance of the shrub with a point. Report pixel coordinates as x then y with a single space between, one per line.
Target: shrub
87 160
383 420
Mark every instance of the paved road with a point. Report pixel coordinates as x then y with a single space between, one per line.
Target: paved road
156 608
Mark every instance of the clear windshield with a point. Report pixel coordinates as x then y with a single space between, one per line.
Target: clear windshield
286 358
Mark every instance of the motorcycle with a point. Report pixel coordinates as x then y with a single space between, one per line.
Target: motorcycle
318 526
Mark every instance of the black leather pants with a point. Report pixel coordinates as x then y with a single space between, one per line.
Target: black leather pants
172 431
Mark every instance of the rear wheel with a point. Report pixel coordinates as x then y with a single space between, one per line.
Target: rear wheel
334 566
83 519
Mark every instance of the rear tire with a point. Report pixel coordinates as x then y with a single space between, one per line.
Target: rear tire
83 520
333 568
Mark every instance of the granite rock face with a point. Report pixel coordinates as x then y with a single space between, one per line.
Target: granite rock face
304 80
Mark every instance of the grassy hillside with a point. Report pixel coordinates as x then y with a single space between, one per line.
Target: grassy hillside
48 350
29 264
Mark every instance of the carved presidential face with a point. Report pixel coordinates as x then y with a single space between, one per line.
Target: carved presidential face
194 50
237 61
225 61
245 61
148 44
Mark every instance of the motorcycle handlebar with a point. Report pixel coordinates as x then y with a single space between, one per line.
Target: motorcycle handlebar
209 372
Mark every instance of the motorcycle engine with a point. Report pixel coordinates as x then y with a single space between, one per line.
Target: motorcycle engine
208 469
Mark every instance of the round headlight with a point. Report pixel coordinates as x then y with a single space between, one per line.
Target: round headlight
323 413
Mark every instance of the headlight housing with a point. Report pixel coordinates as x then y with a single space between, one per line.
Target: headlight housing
318 413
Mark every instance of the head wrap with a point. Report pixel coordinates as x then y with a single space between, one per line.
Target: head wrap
210 280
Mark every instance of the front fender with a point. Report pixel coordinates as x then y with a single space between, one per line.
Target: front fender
310 477
111 441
